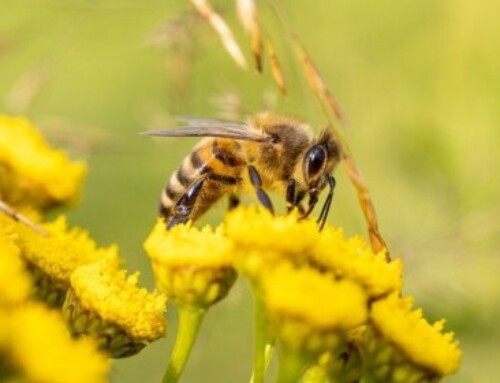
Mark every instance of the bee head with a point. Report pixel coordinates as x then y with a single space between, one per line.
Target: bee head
319 161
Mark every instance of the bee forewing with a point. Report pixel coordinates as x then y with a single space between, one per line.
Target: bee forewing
236 132
207 122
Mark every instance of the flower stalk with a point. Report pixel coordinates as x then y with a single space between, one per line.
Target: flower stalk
263 344
190 319
292 366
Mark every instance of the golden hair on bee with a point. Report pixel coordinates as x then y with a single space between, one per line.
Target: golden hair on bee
269 152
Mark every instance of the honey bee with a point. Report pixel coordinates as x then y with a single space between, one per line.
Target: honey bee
269 152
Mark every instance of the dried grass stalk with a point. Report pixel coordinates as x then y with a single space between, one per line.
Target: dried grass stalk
317 84
247 13
276 69
222 29
21 218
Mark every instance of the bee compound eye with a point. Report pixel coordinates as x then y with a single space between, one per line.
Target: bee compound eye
315 160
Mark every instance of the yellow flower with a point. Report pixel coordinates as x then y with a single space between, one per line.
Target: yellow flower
251 227
60 253
36 347
191 266
354 259
407 344
15 284
31 173
106 303
262 240
8 225
306 307
51 259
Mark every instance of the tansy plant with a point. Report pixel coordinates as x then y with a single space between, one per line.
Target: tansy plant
330 305
332 308
66 304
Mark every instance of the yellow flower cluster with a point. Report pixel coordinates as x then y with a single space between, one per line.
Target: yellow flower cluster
256 234
55 264
335 304
257 228
354 259
36 347
52 258
63 250
263 239
191 266
15 283
185 245
315 323
69 257
31 173
323 295
420 341
105 289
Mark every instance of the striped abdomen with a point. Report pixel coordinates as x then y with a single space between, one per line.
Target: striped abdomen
218 161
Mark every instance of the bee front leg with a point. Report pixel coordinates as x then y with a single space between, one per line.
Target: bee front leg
184 206
328 203
256 182
298 202
234 201
293 199
313 200
290 195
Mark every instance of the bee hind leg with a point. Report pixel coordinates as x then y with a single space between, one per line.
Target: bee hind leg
184 209
256 182
184 206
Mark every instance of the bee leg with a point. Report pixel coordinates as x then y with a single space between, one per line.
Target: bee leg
328 203
298 202
290 195
234 201
301 209
185 204
176 220
293 199
313 200
257 184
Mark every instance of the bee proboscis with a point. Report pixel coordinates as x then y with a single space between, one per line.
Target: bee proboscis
269 152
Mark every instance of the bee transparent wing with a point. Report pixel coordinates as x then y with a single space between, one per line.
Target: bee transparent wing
200 121
197 127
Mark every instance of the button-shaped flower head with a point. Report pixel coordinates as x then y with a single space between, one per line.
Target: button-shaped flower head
191 266
106 303
401 346
32 174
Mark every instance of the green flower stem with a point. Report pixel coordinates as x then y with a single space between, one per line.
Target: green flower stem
263 347
369 377
292 366
190 319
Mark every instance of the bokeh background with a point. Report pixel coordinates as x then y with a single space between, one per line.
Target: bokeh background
418 80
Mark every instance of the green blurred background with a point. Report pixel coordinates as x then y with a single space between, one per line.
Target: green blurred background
420 82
